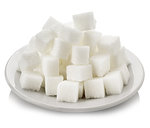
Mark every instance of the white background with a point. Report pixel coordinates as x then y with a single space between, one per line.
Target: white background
130 19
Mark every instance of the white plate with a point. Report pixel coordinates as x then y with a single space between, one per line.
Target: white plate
83 105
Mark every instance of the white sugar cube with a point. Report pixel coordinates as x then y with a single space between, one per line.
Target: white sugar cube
124 73
70 24
29 60
84 21
91 38
100 64
121 57
31 80
65 32
79 72
80 55
94 88
39 70
68 91
53 24
51 84
35 43
109 44
61 49
42 42
50 66
81 90
46 36
113 62
113 83
70 35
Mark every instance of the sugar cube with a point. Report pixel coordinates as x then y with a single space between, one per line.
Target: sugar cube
94 88
100 64
113 83
50 66
124 73
121 57
51 84
70 35
31 80
109 44
91 38
69 24
68 91
61 49
29 60
46 36
53 24
80 55
79 72
84 21
42 42
39 70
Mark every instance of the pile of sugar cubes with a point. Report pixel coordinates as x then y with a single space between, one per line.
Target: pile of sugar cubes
74 61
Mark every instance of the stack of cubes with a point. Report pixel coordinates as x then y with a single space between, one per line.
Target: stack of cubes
80 70
50 68
74 62
29 78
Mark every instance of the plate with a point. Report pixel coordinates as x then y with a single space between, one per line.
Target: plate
83 105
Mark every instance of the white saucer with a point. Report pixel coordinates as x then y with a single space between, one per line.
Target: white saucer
83 105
